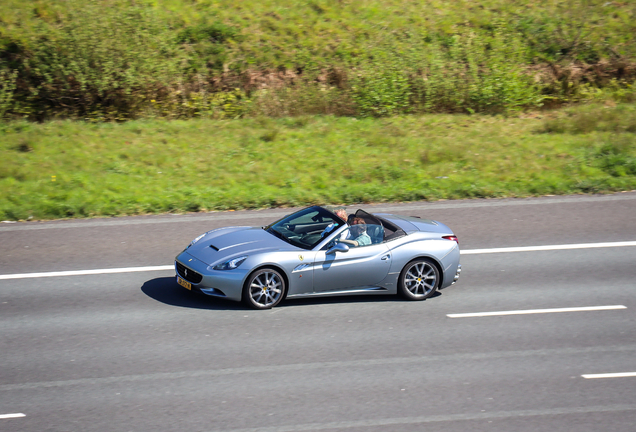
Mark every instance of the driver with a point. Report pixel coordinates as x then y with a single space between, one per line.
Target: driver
359 236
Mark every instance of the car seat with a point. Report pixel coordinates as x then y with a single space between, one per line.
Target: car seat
376 232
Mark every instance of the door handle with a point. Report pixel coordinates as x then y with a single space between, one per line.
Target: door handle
385 257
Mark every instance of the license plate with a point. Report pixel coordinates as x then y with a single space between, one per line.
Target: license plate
183 283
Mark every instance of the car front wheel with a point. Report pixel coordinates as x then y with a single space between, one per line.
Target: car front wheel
264 289
419 280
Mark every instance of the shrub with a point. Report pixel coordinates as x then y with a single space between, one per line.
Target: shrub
382 88
199 102
476 74
99 62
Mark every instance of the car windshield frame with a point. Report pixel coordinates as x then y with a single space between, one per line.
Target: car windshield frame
280 228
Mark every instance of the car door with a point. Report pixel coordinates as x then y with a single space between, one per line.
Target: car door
361 266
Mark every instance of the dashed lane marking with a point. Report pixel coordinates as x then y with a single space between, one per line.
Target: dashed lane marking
87 272
548 248
10 416
535 311
610 375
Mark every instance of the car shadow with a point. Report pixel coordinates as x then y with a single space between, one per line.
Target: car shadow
371 298
167 291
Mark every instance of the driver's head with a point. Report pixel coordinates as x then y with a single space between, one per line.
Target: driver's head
358 226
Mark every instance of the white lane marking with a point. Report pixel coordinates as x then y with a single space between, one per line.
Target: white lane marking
464 252
610 375
9 416
547 248
87 272
536 311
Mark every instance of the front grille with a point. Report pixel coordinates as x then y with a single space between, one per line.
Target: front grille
188 274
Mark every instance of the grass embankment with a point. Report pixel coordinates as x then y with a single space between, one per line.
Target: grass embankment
73 169
123 59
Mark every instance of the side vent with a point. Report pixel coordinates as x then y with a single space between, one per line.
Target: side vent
214 247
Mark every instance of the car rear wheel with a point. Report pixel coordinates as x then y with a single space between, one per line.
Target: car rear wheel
264 289
419 280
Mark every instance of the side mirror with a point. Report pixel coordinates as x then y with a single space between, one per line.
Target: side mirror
338 247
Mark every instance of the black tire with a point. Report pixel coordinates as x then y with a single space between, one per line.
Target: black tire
264 289
419 279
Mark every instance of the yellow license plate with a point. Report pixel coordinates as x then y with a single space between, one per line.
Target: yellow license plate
183 283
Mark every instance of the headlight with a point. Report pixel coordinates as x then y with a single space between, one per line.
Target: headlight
196 240
231 264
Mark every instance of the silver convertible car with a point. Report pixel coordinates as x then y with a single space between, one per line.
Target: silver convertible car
314 252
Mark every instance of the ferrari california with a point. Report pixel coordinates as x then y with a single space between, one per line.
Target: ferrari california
316 252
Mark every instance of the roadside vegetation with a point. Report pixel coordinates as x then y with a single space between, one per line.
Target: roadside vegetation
64 169
113 107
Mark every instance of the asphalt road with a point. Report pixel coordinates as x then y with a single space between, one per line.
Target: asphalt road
134 352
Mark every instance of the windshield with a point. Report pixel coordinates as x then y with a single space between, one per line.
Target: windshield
305 228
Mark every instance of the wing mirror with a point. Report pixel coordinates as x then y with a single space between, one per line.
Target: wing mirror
338 247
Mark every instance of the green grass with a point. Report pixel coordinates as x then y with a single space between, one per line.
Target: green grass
66 169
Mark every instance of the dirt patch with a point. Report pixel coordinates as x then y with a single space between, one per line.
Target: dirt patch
598 73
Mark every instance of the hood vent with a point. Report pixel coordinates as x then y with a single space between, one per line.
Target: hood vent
214 247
